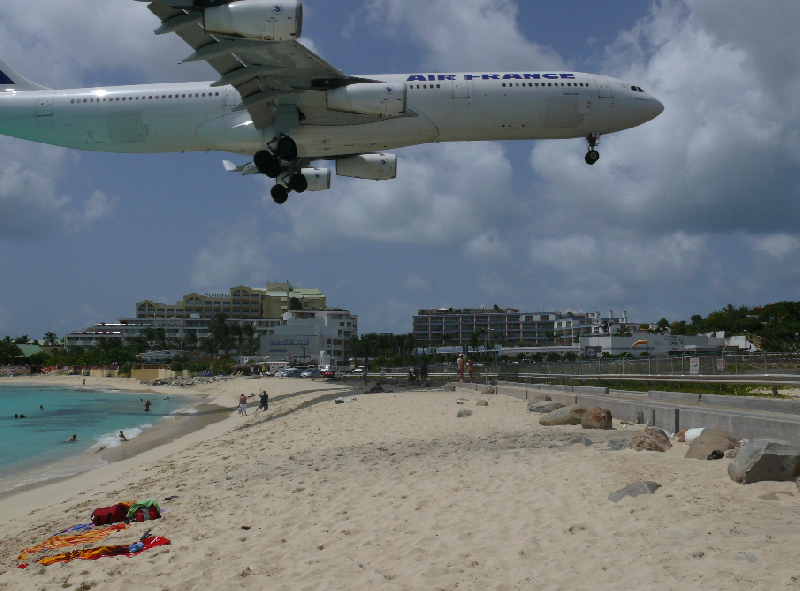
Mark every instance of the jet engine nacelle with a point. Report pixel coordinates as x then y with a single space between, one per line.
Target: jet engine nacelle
374 167
256 19
381 100
319 179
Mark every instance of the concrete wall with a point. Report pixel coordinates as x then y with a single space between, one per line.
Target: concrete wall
743 417
104 373
147 375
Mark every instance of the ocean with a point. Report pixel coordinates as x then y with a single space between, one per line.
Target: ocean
33 449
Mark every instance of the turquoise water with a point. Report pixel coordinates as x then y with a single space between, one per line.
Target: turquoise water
32 448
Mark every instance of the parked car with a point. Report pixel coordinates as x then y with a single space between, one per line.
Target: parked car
290 372
359 369
268 374
328 373
311 372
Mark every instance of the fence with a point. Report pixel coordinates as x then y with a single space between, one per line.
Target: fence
688 364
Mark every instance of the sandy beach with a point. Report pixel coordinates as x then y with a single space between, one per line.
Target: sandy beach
392 491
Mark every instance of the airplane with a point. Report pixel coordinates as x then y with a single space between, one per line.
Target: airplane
286 108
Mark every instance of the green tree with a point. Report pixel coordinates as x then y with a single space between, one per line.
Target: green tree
295 303
191 340
9 351
50 338
23 340
662 324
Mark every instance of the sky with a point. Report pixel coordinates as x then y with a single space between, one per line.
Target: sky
692 211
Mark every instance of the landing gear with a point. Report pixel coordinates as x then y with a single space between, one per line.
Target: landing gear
298 183
267 164
279 194
592 156
286 148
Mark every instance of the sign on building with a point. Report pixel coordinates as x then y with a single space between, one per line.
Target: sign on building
592 352
694 365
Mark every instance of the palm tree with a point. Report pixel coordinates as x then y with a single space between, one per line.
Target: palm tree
220 332
237 333
50 338
250 332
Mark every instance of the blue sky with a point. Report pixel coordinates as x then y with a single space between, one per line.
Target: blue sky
684 215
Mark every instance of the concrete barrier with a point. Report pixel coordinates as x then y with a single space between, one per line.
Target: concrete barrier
743 423
749 403
662 415
678 397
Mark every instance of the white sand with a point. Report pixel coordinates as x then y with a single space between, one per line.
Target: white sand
395 492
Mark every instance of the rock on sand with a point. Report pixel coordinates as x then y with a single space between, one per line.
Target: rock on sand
482 403
544 406
570 415
487 390
596 418
711 440
765 459
643 487
464 413
650 440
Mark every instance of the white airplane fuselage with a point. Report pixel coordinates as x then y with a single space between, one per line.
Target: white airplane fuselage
158 118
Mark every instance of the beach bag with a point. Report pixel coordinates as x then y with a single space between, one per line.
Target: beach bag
144 511
109 515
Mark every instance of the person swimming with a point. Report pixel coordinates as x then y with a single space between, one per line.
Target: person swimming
41 407
72 439
147 406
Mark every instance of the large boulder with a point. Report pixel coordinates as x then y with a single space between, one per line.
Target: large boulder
765 459
569 415
709 441
642 487
544 406
649 440
596 418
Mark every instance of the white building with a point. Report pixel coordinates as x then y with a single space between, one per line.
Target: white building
658 344
321 336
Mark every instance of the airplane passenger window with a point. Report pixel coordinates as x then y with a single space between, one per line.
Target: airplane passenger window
84 100
438 86
183 96
504 84
72 101
204 95
216 94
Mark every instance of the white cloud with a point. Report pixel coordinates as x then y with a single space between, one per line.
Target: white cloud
487 246
443 194
232 256
464 34
778 246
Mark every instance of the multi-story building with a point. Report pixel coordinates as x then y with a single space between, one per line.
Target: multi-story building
322 337
242 303
457 326
260 308
571 325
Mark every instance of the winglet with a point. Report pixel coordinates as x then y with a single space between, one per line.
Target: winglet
229 166
248 168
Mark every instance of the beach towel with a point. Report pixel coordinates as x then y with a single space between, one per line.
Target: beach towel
79 527
144 511
94 535
103 551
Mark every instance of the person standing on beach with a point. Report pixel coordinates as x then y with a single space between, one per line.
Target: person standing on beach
147 406
460 365
264 400
423 372
243 405
471 367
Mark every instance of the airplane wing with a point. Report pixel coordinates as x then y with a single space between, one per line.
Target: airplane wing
261 71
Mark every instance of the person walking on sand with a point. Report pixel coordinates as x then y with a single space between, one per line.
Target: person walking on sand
423 372
243 405
264 400
460 368
471 368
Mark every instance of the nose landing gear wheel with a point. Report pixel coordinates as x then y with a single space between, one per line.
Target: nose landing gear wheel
279 194
267 164
592 156
286 148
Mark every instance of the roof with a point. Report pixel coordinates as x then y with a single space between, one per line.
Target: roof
28 350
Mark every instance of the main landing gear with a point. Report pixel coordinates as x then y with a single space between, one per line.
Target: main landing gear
280 162
592 156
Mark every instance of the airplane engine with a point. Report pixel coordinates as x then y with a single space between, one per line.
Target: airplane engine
319 179
374 167
382 100
256 19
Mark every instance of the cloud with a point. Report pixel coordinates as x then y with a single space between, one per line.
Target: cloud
778 246
414 283
232 256
487 246
463 34
443 194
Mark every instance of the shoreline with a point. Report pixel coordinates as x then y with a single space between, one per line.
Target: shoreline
163 432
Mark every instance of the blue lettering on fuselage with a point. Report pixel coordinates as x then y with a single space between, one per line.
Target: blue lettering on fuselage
434 77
